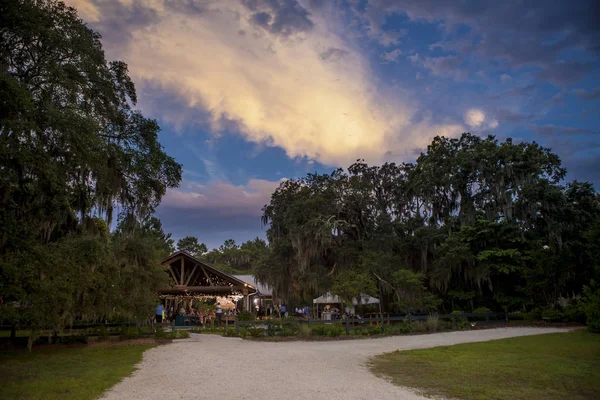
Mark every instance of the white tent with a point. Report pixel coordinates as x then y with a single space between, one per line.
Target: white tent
329 298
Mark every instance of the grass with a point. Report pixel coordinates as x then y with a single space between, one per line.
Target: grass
65 372
550 366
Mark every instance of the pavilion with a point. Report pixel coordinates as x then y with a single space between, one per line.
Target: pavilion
192 278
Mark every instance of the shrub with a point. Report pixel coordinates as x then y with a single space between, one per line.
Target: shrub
459 321
374 330
335 330
254 331
103 332
552 315
575 313
319 330
404 327
591 306
160 334
245 316
432 323
129 332
305 331
481 310
517 316
534 315
180 334
242 332
230 332
419 326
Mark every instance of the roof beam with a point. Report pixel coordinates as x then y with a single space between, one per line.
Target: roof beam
190 275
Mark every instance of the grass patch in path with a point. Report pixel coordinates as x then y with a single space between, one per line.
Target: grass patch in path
550 366
65 373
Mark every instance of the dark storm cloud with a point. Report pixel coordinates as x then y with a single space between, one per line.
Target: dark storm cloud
282 17
518 33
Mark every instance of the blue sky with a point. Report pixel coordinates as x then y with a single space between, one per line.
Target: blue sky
250 92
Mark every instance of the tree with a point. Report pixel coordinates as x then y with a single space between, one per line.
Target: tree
72 148
191 245
474 221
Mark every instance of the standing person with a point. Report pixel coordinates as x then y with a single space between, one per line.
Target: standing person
160 310
283 310
219 314
307 312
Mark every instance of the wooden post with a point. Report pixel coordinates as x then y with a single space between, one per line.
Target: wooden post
237 329
181 276
347 325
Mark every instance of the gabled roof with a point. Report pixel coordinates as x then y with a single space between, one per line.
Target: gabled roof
226 276
264 290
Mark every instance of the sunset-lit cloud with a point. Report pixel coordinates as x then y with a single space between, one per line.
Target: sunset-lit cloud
284 77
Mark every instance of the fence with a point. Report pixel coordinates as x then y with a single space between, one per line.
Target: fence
353 323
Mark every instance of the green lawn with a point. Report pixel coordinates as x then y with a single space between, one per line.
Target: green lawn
65 373
551 366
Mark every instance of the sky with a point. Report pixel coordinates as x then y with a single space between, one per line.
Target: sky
252 92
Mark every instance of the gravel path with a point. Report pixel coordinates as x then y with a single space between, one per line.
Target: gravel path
214 367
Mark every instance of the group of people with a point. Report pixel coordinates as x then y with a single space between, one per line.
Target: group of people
203 316
281 311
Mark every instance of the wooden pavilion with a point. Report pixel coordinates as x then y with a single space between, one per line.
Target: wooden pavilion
192 278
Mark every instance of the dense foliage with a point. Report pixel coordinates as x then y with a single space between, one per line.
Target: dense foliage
229 257
473 222
72 150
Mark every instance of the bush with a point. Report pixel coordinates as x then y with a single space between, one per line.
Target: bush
254 331
575 313
374 330
129 332
404 327
103 332
180 334
534 315
230 332
591 306
242 332
432 323
517 316
305 331
245 316
459 321
418 326
335 330
319 330
160 334
552 315
481 310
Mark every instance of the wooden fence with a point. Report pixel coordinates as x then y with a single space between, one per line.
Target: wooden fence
354 323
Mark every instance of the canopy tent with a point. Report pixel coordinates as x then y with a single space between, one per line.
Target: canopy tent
329 298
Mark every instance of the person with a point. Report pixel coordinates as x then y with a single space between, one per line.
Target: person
307 312
283 310
160 311
219 313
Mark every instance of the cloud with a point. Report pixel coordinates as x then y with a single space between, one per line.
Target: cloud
592 94
269 70
449 66
391 56
513 117
535 33
557 130
221 198
474 118
505 78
